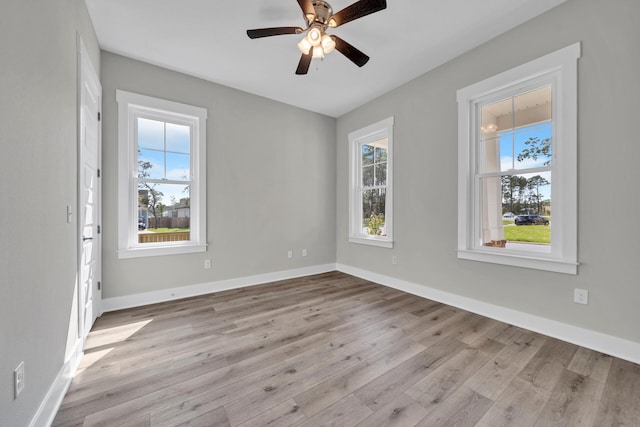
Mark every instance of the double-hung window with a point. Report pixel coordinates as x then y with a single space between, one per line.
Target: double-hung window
517 170
371 190
161 176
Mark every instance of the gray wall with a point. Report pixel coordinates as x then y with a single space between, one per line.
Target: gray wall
38 144
271 180
425 168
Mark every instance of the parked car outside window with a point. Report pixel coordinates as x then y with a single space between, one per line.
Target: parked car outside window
531 220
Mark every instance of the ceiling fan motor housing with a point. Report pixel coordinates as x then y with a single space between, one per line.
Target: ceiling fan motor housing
323 12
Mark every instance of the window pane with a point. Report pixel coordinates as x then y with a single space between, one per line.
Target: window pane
154 161
532 107
150 164
516 133
367 154
381 173
367 176
373 211
496 117
178 167
516 211
533 146
496 149
490 155
178 139
150 134
163 212
380 154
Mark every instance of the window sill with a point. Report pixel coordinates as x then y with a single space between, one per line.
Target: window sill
547 264
372 241
161 250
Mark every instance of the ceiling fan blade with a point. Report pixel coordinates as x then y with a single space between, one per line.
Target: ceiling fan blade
354 55
276 31
303 65
357 10
307 7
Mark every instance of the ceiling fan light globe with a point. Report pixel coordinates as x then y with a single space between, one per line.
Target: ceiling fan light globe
304 46
328 45
318 53
314 36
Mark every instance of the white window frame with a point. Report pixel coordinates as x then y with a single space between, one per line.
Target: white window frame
560 69
377 131
131 106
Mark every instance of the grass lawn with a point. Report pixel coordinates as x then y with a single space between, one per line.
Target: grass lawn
528 233
167 230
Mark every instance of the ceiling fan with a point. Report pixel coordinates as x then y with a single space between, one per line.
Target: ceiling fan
319 16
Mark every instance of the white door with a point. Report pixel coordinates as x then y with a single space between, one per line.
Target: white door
90 292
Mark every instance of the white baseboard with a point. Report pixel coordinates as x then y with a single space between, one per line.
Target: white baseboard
137 300
614 346
53 399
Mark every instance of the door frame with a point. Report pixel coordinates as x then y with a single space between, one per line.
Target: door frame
88 74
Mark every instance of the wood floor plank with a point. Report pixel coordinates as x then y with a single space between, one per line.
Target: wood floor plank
619 405
401 411
215 418
519 406
464 407
591 364
437 386
344 383
463 326
394 382
495 376
504 333
545 368
573 402
333 349
287 413
345 412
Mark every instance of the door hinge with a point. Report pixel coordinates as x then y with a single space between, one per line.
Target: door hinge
98 173
98 229
99 116
99 285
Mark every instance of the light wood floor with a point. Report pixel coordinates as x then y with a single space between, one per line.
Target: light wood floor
332 349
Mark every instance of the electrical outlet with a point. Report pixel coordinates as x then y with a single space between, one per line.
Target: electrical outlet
394 260
304 252
290 254
581 296
18 380
207 264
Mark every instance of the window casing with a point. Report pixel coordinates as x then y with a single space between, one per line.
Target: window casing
371 189
161 176
517 133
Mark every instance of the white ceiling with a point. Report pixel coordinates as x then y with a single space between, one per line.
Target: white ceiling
207 39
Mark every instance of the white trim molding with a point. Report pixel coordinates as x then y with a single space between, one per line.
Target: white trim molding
146 298
372 134
558 70
608 344
131 107
51 402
